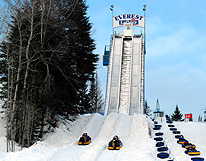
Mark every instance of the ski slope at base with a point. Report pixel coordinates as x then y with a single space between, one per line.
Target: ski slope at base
132 130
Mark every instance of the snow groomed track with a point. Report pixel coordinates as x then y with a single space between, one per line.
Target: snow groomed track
135 131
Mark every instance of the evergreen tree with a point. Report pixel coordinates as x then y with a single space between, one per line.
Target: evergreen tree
147 109
96 95
79 62
177 116
84 102
200 118
48 54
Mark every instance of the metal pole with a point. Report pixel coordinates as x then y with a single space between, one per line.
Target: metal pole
111 8
144 9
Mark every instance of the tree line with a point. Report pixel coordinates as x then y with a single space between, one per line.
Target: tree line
47 54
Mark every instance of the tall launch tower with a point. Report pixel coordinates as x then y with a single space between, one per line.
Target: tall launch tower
125 59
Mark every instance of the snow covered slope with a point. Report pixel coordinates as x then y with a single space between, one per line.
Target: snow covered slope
133 131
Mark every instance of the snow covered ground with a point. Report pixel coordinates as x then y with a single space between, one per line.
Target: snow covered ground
138 142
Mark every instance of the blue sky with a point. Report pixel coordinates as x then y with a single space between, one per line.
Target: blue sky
176 49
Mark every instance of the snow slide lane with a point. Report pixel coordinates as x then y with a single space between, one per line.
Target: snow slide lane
74 151
61 145
92 151
133 132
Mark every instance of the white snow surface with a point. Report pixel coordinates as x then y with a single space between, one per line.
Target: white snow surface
138 144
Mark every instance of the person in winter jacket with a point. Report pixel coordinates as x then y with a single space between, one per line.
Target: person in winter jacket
115 142
85 138
191 148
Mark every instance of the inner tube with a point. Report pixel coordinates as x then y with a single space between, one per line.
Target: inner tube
84 143
159 134
162 149
192 152
163 155
173 129
176 132
160 144
197 159
181 142
114 148
177 136
158 138
188 145
155 122
171 125
156 128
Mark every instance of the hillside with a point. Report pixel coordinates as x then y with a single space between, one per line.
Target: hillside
132 130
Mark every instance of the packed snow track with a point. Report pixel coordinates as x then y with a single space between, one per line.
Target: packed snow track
135 131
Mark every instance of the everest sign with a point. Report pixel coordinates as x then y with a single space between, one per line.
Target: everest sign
137 20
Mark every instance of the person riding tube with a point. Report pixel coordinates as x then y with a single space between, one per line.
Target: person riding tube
115 143
84 140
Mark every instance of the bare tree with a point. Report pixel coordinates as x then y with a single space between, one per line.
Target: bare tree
33 59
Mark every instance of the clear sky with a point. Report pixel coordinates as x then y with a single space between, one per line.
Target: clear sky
176 49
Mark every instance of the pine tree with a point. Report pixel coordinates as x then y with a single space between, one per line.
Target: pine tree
200 118
177 116
79 62
49 57
147 109
96 95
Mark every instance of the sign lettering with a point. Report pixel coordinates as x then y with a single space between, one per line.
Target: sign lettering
120 20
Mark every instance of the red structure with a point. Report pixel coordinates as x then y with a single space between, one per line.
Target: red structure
188 116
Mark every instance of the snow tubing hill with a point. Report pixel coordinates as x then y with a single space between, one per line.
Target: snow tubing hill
84 143
192 152
163 155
